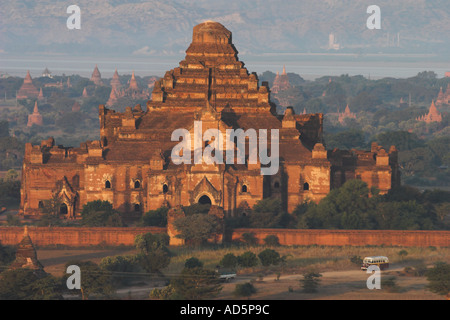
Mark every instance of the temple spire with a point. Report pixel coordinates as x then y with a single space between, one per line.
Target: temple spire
35 110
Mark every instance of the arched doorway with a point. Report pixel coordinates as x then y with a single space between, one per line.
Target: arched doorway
63 209
204 200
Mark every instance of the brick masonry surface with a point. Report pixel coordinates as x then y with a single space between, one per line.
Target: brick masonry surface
82 237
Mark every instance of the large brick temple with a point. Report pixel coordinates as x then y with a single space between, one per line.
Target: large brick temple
131 167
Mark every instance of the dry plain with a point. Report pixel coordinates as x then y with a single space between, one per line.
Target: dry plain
340 280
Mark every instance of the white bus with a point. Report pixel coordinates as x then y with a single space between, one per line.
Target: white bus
381 261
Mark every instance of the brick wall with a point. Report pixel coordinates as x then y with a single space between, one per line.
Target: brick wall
352 237
80 237
76 237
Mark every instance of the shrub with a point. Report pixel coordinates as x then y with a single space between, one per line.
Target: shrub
165 293
229 261
390 284
197 228
197 208
13 220
356 260
100 213
310 281
439 278
247 260
197 284
244 290
402 253
249 239
155 218
269 257
193 262
271 241
121 268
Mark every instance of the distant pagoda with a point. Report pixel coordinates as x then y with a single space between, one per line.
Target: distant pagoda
443 98
96 77
35 117
115 82
27 90
346 114
26 256
41 95
281 82
433 115
112 98
46 73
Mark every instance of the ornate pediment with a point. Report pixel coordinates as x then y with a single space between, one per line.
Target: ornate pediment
65 191
205 187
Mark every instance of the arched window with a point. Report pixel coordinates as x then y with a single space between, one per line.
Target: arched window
137 184
306 186
41 204
244 188
276 185
165 188
107 184
137 207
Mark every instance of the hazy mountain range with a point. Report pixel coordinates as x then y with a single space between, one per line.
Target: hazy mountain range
154 28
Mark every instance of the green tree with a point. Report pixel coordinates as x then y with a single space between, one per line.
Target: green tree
248 260
155 218
154 261
122 268
9 191
70 121
11 175
269 257
402 254
405 215
249 239
7 255
13 220
439 278
244 290
402 140
229 261
193 262
335 94
197 228
196 209
100 213
348 207
94 280
365 101
197 284
25 284
50 212
310 281
345 140
271 241
269 213
154 255
442 210
4 129
52 206
147 242
166 293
